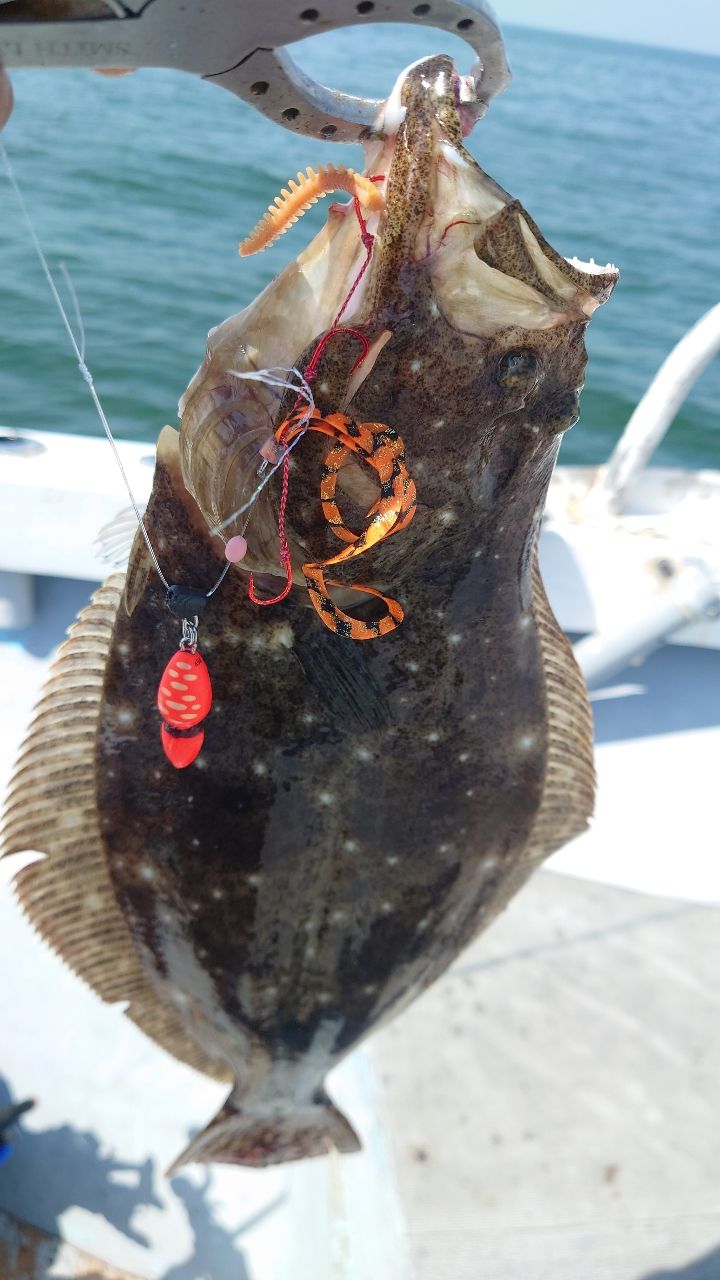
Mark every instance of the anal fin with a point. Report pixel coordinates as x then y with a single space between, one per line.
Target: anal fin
68 897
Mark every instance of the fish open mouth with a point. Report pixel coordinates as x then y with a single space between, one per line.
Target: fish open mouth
449 245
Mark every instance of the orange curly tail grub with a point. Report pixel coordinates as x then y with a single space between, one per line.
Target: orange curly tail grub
309 188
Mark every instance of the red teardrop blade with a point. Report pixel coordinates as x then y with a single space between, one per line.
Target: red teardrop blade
181 751
184 695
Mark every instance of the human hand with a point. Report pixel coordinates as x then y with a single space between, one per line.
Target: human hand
6 93
6 98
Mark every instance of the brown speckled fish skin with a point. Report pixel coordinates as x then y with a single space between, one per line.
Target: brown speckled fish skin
359 811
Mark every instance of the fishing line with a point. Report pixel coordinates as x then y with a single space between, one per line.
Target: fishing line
79 353
368 242
270 376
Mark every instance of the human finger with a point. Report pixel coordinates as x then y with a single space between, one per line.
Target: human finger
6 98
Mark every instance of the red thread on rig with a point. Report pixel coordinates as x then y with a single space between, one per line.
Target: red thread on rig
368 241
284 547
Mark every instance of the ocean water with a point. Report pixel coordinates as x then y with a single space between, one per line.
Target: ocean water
144 185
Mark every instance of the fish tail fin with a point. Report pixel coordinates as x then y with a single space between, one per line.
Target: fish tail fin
270 1134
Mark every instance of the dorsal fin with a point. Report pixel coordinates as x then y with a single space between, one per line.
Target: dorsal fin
68 896
568 795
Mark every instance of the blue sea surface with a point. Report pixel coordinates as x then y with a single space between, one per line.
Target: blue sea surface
144 185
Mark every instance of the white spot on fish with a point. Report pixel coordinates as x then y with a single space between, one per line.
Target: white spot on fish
433 736
363 754
308 925
524 621
200 763
195 842
412 667
439 613
434 309
147 872
526 741
454 637
370 989
392 861
218 894
470 792
259 768
269 993
281 636
351 846
415 366
477 553
446 516
324 997
464 757
311 952
324 388
157 774
325 798
439 423
201 953
386 908
338 917
422 924
488 864
254 880
125 715
308 717
496 556
123 647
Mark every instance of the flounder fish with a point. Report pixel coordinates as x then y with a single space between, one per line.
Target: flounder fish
359 811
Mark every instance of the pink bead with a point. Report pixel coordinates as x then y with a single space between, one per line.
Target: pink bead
269 451
236 549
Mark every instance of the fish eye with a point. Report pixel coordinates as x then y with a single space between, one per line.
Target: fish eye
519 370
